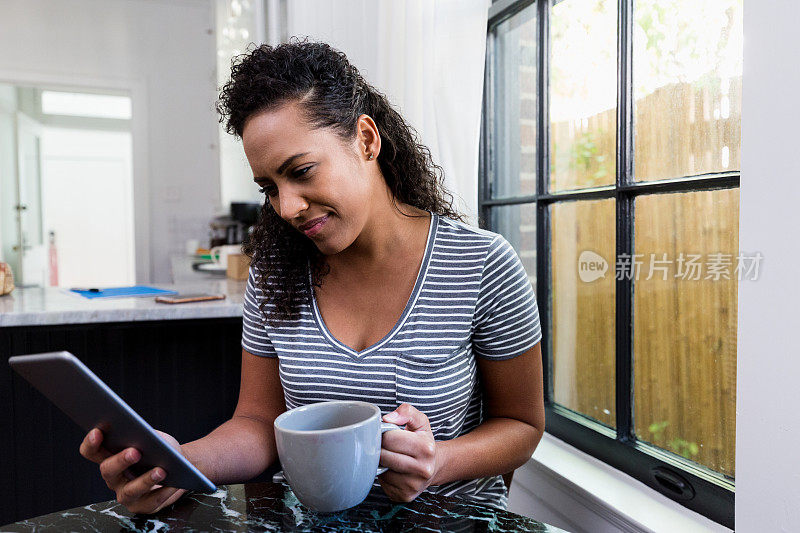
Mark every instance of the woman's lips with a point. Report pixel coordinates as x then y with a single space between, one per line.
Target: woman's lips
313 230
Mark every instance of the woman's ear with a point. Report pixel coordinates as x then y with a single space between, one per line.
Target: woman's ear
369 139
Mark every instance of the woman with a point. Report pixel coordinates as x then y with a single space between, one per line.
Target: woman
365 285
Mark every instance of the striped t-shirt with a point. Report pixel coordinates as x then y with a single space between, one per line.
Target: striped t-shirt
471 298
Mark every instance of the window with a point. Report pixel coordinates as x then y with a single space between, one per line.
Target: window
610 159
86 105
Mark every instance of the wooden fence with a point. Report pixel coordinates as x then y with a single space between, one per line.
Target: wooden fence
681 129
685 330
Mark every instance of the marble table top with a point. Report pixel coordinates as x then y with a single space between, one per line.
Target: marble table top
37 306
274 507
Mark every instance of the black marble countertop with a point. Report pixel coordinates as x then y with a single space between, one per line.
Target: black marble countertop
274 507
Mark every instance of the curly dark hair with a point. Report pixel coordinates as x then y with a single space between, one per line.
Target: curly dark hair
332 94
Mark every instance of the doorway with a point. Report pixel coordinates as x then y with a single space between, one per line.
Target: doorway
69 194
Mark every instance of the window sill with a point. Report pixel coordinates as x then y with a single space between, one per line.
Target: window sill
619 499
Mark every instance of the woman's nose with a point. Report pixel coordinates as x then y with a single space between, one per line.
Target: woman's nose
290 203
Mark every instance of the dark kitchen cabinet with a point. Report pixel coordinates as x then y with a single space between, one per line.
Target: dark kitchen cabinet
182 376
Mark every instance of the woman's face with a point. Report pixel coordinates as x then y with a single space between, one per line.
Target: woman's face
310 174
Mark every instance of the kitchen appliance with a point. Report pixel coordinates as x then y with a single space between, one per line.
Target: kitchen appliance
235 227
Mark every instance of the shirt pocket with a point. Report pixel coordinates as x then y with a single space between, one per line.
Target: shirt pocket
439 385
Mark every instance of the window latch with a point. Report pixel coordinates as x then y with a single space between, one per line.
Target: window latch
671 483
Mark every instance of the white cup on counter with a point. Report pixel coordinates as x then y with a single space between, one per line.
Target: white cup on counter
219 254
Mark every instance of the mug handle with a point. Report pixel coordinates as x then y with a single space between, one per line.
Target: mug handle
386 426
278 477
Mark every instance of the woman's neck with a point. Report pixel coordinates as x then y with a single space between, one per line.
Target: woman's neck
387 236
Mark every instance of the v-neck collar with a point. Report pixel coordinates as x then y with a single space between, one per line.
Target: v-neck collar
421 275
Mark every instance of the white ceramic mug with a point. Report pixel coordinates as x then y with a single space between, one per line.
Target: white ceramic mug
329 452
219 254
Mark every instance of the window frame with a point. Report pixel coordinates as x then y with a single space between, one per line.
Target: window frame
713 493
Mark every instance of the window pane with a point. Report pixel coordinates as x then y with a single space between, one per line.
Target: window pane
583 303
687 73
514 132
583 94
517 223
86 105
685 328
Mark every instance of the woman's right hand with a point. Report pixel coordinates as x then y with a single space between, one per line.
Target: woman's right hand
140 494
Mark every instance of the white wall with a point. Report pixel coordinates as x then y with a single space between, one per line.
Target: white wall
768 394
163 52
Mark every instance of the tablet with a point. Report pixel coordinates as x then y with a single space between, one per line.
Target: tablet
89 402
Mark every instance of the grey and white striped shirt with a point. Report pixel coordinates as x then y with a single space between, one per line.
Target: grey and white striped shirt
471 298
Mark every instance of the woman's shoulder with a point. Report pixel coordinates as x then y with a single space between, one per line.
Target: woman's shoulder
467 235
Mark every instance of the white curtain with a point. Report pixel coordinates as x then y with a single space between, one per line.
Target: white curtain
426 56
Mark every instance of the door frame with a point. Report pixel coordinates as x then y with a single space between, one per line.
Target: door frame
137 89
30 126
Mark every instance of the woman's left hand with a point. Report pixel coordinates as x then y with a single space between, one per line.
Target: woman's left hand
411 456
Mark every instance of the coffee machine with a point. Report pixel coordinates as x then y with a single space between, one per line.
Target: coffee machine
236 226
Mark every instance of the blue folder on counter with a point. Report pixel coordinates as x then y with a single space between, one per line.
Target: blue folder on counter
123 292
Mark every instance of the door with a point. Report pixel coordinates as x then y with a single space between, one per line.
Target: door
30 246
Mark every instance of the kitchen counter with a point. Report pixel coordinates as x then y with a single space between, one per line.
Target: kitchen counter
38 306
177 365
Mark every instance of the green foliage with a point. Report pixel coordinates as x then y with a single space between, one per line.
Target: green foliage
682 447
657 429
582 157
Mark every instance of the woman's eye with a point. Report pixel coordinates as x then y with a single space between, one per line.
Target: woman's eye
272 190
301 172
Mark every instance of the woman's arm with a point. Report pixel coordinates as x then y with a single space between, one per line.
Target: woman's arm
244 446
238 450
514 402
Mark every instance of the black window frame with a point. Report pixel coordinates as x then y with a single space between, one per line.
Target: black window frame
711 493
